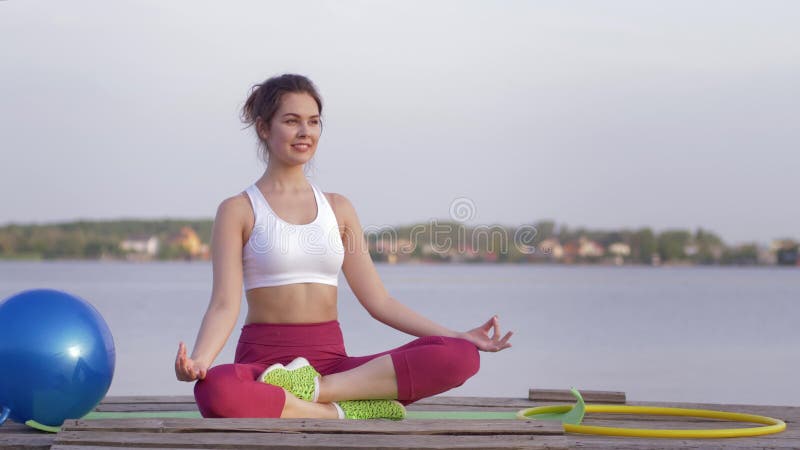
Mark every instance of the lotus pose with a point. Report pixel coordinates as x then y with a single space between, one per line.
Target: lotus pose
285 241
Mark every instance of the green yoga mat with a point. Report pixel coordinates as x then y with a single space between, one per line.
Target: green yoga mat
412 415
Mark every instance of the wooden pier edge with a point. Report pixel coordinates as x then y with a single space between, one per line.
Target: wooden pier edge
564 395
434 434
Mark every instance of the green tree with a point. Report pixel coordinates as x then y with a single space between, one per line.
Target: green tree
545 229
671 244
742 255
643 246
709 247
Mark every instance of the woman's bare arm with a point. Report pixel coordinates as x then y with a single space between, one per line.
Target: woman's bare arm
226 294
369 289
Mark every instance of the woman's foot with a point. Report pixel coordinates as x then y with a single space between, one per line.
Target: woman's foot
298 377
370 409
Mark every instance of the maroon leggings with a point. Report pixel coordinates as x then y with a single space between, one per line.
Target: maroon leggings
424 367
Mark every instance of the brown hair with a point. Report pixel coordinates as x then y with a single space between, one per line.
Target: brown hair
265 99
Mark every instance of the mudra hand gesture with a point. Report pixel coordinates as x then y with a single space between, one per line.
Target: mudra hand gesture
480 336
187 369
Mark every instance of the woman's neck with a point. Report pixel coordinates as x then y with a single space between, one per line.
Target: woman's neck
284 178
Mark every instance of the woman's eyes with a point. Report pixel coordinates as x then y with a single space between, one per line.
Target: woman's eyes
294 121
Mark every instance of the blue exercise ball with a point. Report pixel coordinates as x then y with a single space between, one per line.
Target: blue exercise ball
56 357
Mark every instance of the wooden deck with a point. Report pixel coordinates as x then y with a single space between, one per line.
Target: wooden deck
180 433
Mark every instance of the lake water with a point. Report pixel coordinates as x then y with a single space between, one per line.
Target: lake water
724 335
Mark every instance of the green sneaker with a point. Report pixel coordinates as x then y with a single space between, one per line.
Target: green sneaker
371 409
298 377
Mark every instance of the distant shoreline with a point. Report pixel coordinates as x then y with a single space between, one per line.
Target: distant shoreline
5 260
435 242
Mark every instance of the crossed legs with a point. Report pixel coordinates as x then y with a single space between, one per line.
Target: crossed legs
419 369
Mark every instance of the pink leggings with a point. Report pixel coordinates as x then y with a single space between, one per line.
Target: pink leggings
424 367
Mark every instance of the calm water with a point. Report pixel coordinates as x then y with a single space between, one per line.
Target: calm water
726 335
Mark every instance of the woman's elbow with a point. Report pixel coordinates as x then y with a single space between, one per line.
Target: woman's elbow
378 308
224 306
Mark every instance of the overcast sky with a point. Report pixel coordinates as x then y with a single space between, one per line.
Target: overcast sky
600 114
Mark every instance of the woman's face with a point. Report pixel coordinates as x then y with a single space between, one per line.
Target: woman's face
294 130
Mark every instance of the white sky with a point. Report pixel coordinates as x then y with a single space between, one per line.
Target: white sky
599 114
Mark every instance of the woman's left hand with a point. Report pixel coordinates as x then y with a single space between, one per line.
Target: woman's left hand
480 336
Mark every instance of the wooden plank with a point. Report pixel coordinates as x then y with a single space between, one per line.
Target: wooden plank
620 443
405 427
20 436
436 400
564 395
190 399
785 440
117 447
494 402
415 407
154 403
645 421
789 414
671 424
240 440
14 427
139 407
786 413
26 441
148 399
133 404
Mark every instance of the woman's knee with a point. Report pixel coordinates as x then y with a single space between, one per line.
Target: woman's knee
210 393
231 390
458 360
465 357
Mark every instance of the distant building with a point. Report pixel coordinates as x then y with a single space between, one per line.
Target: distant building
188 240
655 259
570 251
140 244
551 248
766 256
588 248
787 257
620 251
786 252
393 250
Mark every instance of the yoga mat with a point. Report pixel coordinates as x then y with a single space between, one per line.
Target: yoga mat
410 415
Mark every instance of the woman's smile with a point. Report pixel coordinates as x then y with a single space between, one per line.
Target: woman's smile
301 147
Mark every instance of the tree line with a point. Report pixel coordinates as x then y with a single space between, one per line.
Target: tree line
101 240
91 239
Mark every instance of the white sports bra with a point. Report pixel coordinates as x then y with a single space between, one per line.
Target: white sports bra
279 252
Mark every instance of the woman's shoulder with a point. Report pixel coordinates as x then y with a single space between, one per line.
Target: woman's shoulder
343 210
235 206
338 201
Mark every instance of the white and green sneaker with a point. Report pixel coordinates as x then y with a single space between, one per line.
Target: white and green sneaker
370 409
298 377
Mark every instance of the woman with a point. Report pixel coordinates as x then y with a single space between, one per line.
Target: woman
286 241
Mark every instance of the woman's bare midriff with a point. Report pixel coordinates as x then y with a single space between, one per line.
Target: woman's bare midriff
292 303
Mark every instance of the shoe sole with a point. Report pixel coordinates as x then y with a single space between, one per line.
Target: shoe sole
297 363
270 369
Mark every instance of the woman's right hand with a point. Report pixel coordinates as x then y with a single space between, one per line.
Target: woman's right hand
187 369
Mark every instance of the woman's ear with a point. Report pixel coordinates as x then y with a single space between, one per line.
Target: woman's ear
262 129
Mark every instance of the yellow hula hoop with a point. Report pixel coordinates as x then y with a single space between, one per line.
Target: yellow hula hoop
772 425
